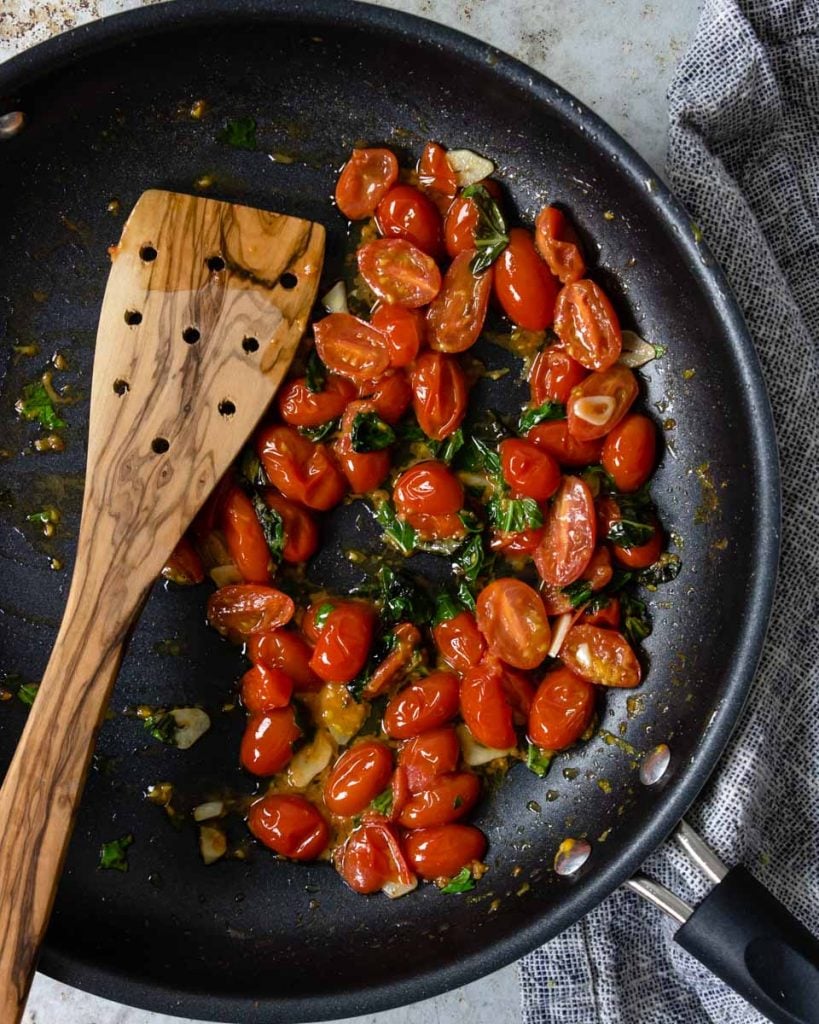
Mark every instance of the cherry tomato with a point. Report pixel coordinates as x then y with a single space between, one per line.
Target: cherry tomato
290 825
301 469
358 776
301 536
641 556
598 404
439 394
587 325
436 177
561 711
557 244
404 330
404 212
455 318
608 616
351 347
288 650
554 373
599 571
364 470
600 656
400 793
428 487
267 744
519 693
407 639
390 396
372 857
301 407
425 757
524 285
516 542
569 534
422 706
511 616
443 850
459 641
398 272
343 645
484 706
448 798
244 609
460 226
184 566
629 452
265 688
245 538
530 471
365 179
553 436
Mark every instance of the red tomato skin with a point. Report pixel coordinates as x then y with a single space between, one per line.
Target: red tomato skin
587 325
459 641
244 609
344 643
443 850
302 470
612 662
512 618
290 826
364 180
484 706
244 537
407 213
617 383
456 317
364 470
524 285
429 755
448 798
516 542
439 394
608 617
300 407
530 471
265 688
642 555
390 396
436 177
554 437
398 272
461 223
428 487
630 451
288 650
519 693
407 640
357 777
421 706
300 529
351 347
371 856
436 527
557 243
404 330
570 532
561 711
553 375
267 743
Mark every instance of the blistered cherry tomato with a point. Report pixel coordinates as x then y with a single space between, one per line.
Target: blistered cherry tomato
447 798
288 650
484 705
364 470
267 743
462 220
425 757
599 571
459 641
553 375
439 394
530 471
265 688
561 711
407 639
598 404
422 706
524 285
301 469
365 179
244 609
390 396
399 272
569 535
184 566
404 212
600 656
456 316
629 452
245 538
428 487
641 556
351 347
436 177
553 436
357 777
443 850
404 330
343 645
519 693
301 536
511 616
290 825
301 407
557 243
608 616
587 325
372 858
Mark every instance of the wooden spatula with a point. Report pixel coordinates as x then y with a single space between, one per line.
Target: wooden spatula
205 306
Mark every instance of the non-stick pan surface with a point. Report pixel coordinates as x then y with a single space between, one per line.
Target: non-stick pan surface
107 117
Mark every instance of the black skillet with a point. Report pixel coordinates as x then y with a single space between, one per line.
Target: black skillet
106 117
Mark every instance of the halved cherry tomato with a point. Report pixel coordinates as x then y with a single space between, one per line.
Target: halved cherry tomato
245 609
364 470
516 542
404 330
447 798
301 407
428 487
443 850
456 317
553 375
399 272
422 706
598 404
561 711
629 452
390 396
519 693
301 469
530 471
245 538
598 573
641 556
439 394
553 436
462 220
265 688
290 825
459 641
569 534
365 179
587 325
600 656
288 650
436 177
267 743
425 757
351 347
184 566
301 536
357 777
608 616
511 616
404 212
484 706
524 285
371 857
557 243
407 639
343 645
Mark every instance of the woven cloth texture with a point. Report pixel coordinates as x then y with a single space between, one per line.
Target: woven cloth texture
744 158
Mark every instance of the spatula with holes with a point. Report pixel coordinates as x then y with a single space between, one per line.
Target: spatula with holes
205 306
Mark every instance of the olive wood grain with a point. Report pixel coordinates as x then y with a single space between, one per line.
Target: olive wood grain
205 305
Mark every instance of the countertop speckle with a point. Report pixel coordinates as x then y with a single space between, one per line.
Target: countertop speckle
615 55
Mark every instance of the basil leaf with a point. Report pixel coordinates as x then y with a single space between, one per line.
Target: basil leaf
321 431
598 480
250 467
598 602
462 882
630 533
35 404
540 414
578 592
240 133
471 559
272 526
162 727
491 236
636 620
113 856
446 608
323 613
382 804
315 374
369 433
26 692
485 458
446 450
538 760
397 531
511 515
666 568
464 594
402 600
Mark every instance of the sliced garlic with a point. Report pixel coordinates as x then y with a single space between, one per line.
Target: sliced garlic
595 409
310 760
475 753
335 301
583 655
225 575
560 627
340 713
212 843
396 889
636 351
469 167
206 811
191 725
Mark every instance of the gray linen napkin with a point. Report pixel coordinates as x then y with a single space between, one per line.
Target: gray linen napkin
744 158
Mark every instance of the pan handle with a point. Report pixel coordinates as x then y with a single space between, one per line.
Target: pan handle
745 936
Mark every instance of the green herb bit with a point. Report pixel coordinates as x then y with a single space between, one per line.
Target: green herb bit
383 802
35 403
26 692
471 559
491 236
315 374
538 760
511 515
636 620
162 726
397 532
665 569
239 133
464 594
323 613
540 414
446 608
272 526
113 855
578 592
321 431
250 467
401 598
446 450
462 882
369 433
630 533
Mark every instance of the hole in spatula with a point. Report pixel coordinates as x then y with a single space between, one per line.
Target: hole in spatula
133 317
226 408
121 387
190 335
215 264
250 345
288 280
160 445
147 254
